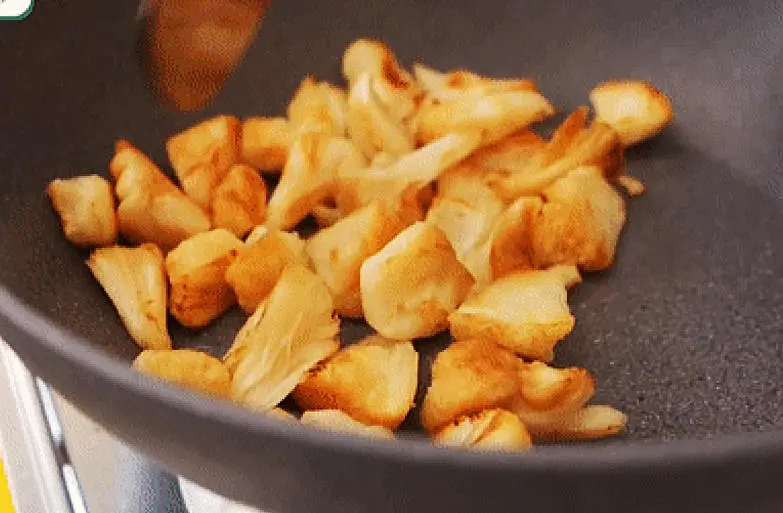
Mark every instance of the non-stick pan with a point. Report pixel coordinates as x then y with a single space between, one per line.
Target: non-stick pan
685 332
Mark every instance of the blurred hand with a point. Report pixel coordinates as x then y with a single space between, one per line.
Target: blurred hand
191 46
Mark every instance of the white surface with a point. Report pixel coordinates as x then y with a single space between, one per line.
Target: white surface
74 466
116 479
30 463
200 500
113 478
14 8
71 465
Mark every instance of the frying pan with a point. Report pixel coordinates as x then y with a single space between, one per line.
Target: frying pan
685 332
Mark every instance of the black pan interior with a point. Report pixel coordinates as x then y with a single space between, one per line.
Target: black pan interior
685 332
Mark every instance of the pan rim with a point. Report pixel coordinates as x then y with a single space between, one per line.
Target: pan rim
646 456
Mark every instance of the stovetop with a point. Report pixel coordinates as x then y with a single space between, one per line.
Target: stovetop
59 461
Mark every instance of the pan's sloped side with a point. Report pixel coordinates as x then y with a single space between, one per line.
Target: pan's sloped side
685 332
291 469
